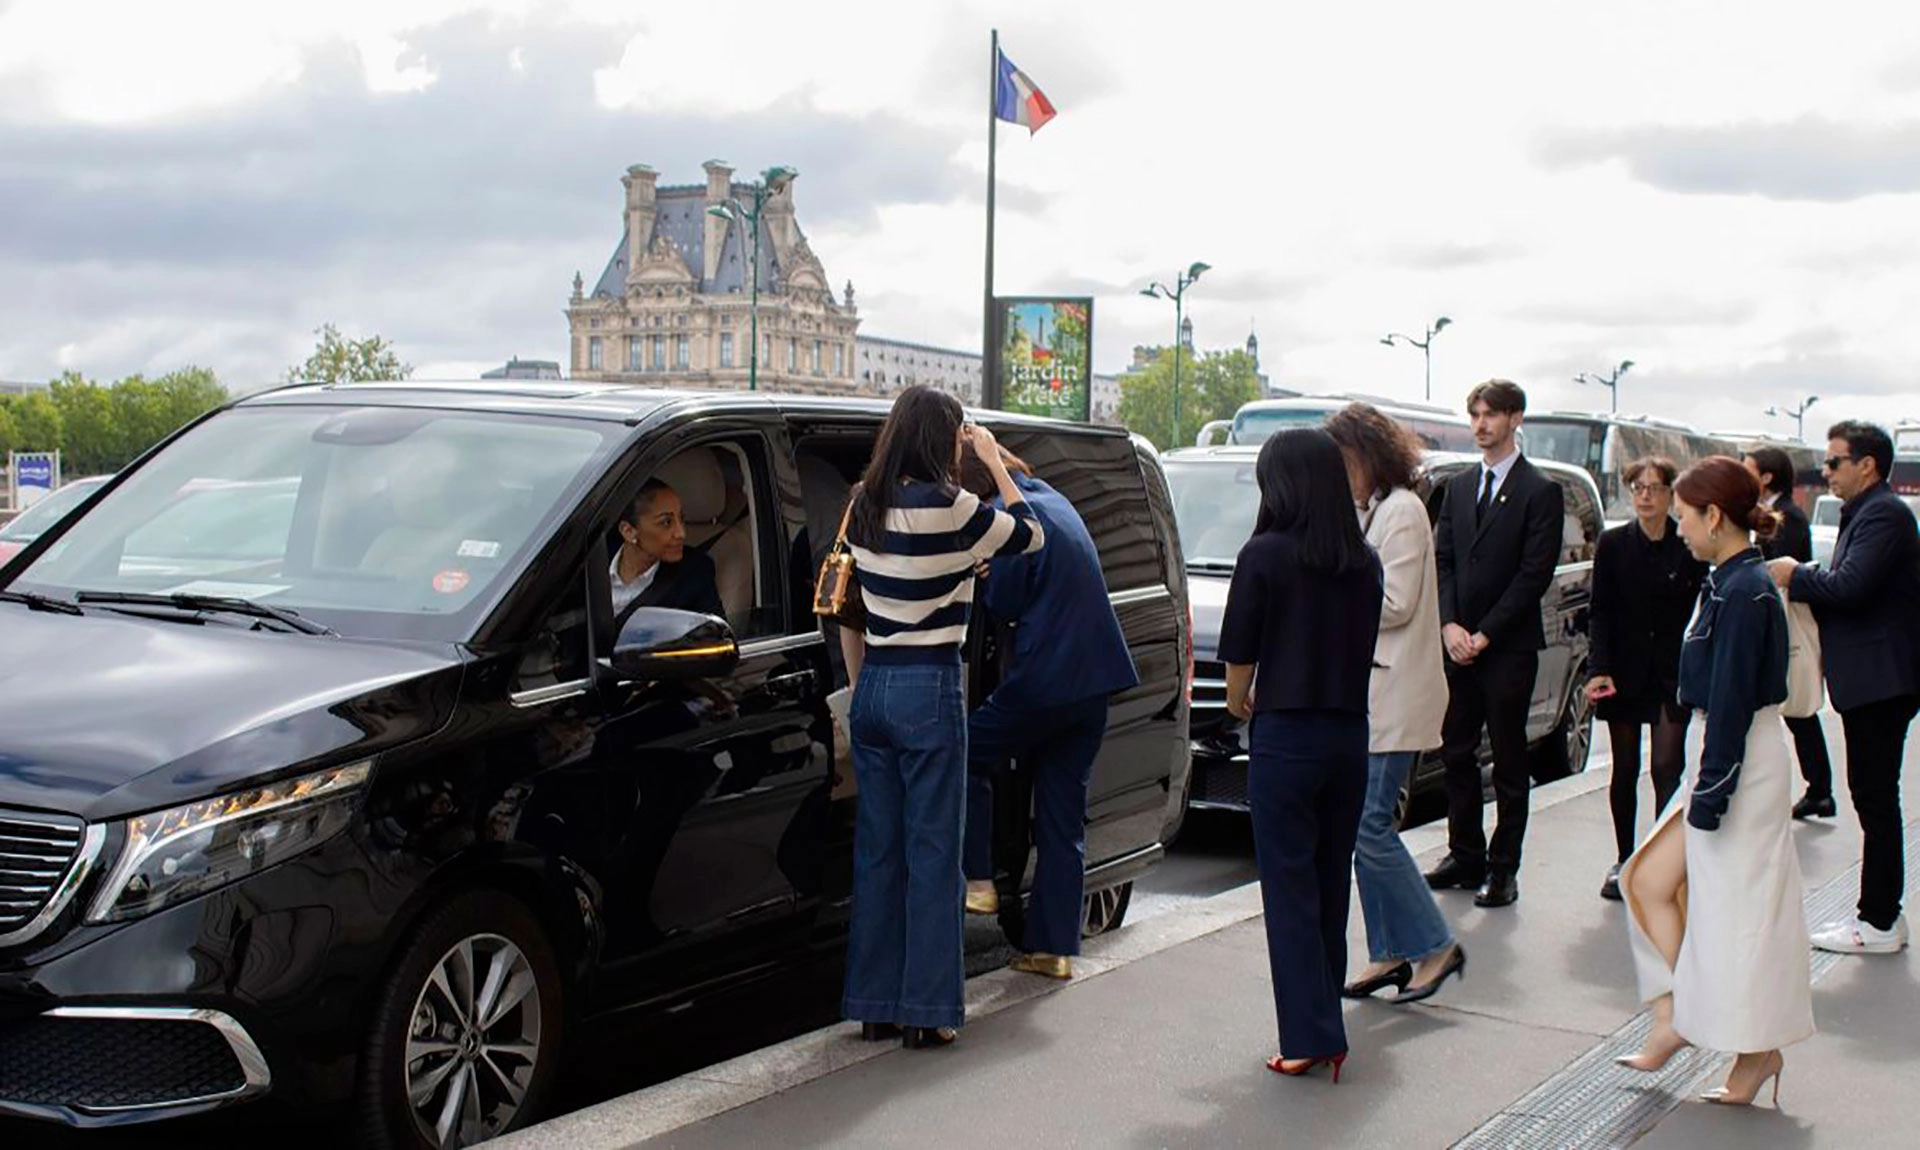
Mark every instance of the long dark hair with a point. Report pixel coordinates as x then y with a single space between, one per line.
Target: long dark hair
916 443
1303 489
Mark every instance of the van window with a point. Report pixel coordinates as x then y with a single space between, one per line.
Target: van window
1101 478
1580 519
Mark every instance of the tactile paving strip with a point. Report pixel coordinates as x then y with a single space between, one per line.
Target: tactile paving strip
1593 1103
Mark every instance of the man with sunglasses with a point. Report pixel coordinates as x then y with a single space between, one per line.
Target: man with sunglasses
1868 606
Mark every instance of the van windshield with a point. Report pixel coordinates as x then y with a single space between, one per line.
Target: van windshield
387 522
1215 504
1255 427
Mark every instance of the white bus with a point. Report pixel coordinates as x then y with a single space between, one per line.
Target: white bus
1438 428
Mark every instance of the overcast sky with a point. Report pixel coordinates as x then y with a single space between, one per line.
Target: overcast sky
1724 193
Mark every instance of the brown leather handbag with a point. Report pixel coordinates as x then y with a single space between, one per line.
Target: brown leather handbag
836 595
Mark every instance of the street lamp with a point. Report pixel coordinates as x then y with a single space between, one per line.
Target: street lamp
773 181
1610 382
1798 414
1425 346
1181 283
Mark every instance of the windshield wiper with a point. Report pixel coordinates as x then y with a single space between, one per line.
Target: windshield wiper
1210 566
224 603
40 602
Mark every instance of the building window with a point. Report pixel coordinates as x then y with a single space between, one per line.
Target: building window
634 349
680 362
793 354
726 321
840 360
593 353
818 357
726 349
766 348
659 353
593 323
679 321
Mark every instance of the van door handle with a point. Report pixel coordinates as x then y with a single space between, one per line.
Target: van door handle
795 683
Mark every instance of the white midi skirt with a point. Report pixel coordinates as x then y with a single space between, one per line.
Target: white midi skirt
1743 981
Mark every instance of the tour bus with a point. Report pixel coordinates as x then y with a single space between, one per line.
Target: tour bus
1439 428
1605 444
1905 478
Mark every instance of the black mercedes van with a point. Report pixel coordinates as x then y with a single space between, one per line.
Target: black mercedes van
326 774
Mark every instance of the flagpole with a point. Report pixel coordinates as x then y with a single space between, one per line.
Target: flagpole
990 386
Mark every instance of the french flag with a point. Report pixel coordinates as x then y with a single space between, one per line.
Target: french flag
1018 100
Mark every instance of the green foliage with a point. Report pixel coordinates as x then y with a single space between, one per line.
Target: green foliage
337 359
1212 386
101 429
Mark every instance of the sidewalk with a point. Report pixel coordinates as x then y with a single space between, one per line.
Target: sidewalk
1159 1040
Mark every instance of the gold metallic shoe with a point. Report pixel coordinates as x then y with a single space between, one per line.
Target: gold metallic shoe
1050 965
982 901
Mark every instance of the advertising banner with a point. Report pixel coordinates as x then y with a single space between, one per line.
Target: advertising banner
35 475
1046 356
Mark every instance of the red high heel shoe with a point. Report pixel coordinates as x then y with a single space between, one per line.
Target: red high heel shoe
1278 1065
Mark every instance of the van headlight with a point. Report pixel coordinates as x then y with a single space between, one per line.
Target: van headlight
173 855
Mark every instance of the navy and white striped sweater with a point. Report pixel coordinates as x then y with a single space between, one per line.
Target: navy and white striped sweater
917 587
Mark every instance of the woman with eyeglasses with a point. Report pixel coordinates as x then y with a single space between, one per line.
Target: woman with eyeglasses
1644 587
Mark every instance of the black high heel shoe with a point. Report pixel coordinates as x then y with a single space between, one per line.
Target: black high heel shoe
1456 964
1397 977
878 1031
927 1037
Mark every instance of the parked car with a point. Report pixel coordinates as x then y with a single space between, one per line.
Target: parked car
325 774
1825 526
25 527
1215 497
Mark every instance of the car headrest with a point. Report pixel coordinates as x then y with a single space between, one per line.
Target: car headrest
695 476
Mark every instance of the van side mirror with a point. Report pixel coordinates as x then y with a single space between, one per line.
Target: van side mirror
662 643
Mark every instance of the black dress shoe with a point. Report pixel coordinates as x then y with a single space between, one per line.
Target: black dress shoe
1610 889
1811 806
1501 890
878 1031
1453 873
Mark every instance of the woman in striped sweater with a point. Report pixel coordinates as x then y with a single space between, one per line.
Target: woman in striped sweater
916 537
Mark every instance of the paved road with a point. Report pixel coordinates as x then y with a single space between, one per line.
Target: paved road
616 1056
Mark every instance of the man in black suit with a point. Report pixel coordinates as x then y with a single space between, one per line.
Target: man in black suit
1868 606
1794 540
654 567
1496 544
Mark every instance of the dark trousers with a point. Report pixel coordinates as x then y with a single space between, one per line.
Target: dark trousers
1876 744
1056 748
904 945
1493 694
1306 787
1810 747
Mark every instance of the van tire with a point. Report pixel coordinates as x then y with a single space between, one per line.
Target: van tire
1568 747
492 935
1105 910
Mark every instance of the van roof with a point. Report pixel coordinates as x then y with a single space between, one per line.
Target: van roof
609 402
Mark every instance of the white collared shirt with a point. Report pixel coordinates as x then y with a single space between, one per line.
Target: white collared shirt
1770 499
625 593
1500 471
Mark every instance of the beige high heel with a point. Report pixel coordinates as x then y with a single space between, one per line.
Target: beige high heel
1724 1095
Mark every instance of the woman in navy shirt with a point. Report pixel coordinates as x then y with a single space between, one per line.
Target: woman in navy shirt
1725 964
1298 636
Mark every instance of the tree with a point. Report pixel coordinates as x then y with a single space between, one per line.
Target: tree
1213 385
337 359
9 430
36 422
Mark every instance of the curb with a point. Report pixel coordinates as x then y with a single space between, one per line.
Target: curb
658 1110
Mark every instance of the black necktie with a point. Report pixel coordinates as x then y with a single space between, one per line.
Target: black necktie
1486 499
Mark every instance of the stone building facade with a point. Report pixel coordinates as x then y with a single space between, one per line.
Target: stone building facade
672 306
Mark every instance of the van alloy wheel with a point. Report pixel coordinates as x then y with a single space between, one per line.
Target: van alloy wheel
473 1045
1105 910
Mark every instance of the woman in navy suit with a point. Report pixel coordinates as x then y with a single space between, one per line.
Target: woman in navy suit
1303 613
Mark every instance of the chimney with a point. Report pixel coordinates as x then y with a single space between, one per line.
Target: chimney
639 182
719 187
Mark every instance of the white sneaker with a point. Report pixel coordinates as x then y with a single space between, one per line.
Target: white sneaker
1853 936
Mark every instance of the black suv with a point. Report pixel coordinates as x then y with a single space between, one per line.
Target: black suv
1215 497
325 772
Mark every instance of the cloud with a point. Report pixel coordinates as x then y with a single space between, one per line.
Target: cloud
1811 158
450 218
1450 256
1661 310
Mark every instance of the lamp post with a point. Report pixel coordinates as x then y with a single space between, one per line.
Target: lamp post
1181 283
773 181
1798 414
1610 382
1425 346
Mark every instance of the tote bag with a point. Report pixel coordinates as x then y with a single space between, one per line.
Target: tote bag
1806 690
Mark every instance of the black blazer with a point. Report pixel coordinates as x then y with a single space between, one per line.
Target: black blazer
1868 602
1493 576
689 585
1643 594
1794 540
